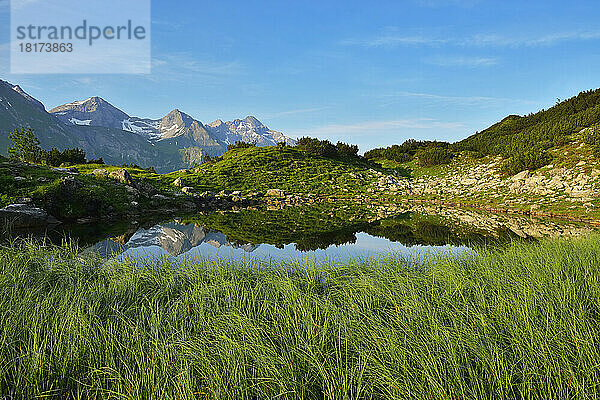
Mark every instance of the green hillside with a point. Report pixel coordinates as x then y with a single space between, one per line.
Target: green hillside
258 169
541 131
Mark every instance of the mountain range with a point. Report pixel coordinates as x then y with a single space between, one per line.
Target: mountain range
174 141
172 237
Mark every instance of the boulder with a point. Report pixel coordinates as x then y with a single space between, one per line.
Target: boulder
178 182
26 216
187 189
275 193
100 172
521 175
69 182
122 176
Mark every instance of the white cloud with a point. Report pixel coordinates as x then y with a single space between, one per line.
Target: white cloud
484 40
182 66
463 61
370 128
297 111
472 101
393 38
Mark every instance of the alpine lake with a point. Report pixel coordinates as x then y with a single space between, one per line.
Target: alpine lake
322 234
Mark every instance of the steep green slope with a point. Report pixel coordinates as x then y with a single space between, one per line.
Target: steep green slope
541 131
16 111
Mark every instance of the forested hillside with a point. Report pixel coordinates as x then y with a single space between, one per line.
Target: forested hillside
540 131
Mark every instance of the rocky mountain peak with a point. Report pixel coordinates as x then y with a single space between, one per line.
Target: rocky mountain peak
253 121
216 123
94 111
27 97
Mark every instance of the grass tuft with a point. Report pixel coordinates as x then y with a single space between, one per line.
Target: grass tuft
517 322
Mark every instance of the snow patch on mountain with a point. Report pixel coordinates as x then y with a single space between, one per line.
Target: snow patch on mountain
76 121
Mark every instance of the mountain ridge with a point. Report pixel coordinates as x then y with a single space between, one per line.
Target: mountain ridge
96 111
172 142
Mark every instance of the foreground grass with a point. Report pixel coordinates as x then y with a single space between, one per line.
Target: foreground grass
521 322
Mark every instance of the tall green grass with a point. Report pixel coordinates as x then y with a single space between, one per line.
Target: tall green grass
521 322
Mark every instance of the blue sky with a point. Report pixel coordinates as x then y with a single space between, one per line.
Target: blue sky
368 73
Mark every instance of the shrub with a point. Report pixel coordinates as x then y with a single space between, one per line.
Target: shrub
240 145
432 156
317 147
56 157
526 160
95 161
592 138
347 149
25 146
404 152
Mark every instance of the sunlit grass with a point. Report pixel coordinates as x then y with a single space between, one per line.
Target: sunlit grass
520 322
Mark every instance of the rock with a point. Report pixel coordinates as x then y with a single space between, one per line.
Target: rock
187 189
159 197
26 216
146 188
100 172
69 182
521 175
19 178
122 176
178 182
275 193
236 193
134 204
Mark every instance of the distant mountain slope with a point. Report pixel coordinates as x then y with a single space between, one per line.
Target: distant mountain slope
540 131
249 130
94 111
176 126
18 109
102 130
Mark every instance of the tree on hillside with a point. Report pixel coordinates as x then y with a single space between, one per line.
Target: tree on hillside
25 146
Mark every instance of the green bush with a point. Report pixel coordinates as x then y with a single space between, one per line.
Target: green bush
347 149
592 138
404 152
240 145
56 157
432 156
316 147
526 160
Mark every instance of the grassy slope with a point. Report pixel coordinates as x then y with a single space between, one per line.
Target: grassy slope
545 129
518 323
263 168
